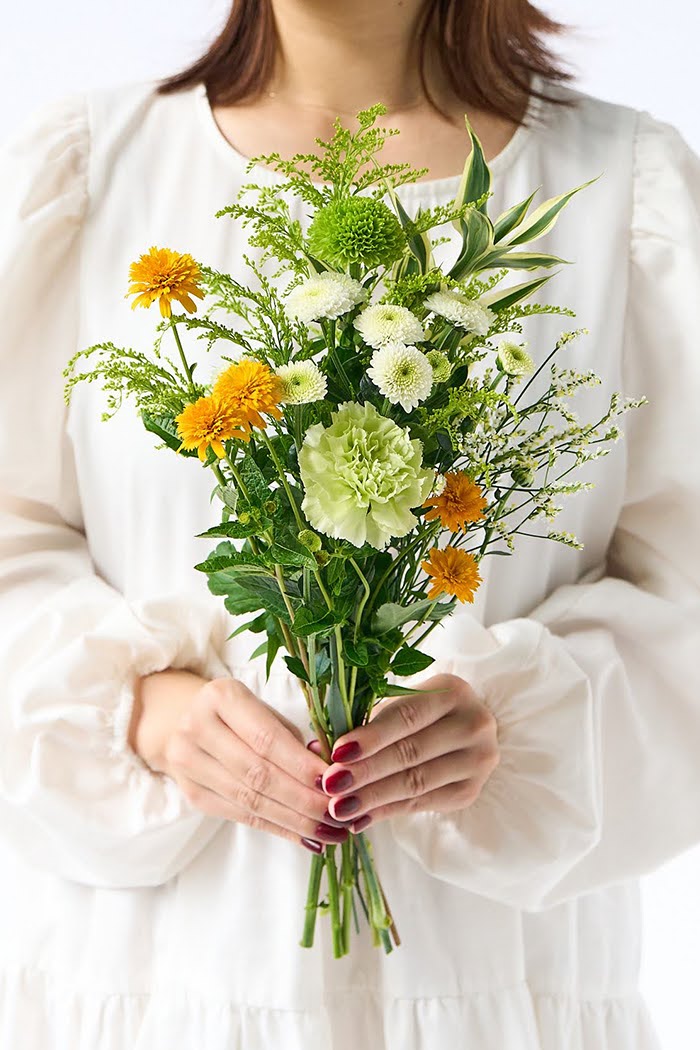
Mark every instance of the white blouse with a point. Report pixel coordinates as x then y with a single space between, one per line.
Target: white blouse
132 921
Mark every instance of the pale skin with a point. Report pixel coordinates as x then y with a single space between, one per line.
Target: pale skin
233 755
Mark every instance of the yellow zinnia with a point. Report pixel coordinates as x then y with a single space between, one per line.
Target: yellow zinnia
165 275
249 388
454 572
208 421
460 502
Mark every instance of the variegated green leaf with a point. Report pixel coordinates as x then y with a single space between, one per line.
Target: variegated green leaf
476 177
512 218
477 239
419 243
520 261
501 299
544 217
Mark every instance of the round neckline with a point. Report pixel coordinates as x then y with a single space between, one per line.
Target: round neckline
259 172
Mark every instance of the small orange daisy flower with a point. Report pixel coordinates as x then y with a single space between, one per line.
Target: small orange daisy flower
249 388
454 572
460 502
206 422
165 275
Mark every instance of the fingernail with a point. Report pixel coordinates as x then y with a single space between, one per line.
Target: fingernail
315 746
329 819
361 824
312 844
318 782
346 752
339 781
325 831
347 805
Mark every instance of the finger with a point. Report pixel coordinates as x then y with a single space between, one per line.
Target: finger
446 799
395 719
263 730
409 784
315 746
205 776
441 738
254 776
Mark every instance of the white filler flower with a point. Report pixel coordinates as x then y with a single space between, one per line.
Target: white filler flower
388 323
461 311
403 374
302 382
326 294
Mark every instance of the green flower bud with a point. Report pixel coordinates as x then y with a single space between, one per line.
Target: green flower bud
310 540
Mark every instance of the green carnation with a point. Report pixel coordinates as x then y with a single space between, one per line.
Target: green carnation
356 229
361 476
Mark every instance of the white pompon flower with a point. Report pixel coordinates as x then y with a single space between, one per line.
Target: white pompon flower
403 374
328 294
465 313
302 382
514 360
388 323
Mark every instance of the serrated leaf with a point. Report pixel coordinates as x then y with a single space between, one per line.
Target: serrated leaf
356 655
257 488
164 427
235 530
544 217
410 661
391 615
307 622
296 667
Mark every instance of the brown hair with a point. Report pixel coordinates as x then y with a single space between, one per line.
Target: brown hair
489 49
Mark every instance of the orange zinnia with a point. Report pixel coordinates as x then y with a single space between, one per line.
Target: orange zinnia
460 501
206 422
453 572
165 275
249 388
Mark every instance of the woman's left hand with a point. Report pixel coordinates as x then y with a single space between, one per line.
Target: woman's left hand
431 751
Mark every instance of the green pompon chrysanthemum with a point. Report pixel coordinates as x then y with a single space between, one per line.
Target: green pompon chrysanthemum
356 229
302 383
440 364
362 476
514 360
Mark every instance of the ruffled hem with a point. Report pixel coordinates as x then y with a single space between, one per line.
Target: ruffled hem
40 1012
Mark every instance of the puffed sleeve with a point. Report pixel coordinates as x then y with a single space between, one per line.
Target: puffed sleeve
75 799
597 692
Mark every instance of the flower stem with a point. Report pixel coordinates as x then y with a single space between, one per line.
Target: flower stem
334 902
317 864
185 363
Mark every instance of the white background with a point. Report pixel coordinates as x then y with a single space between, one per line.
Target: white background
640 52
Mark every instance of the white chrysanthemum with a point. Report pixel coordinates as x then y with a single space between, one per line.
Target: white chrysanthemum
328 294
514 359
302 382
388 323
403 374
465 313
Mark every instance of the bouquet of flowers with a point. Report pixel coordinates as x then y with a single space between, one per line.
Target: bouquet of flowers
371 438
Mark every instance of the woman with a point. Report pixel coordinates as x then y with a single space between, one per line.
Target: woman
155 789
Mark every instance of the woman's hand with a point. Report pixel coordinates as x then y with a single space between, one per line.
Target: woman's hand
232 755
431 751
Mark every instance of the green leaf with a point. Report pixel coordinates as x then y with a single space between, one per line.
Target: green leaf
410 661
477 237
544 217
501 299
273 643
476 176
248 593
356 655
308 621
397 690
164 428
262 648
392 615
257 488
512 218
296 667
255 626
233 529
418 242
520 261
283 553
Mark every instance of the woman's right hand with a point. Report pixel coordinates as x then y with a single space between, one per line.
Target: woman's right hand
232 755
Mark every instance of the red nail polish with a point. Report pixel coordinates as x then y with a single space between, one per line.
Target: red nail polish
333 835
361 824
339 781
346 752
311 844
331 820
347 805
